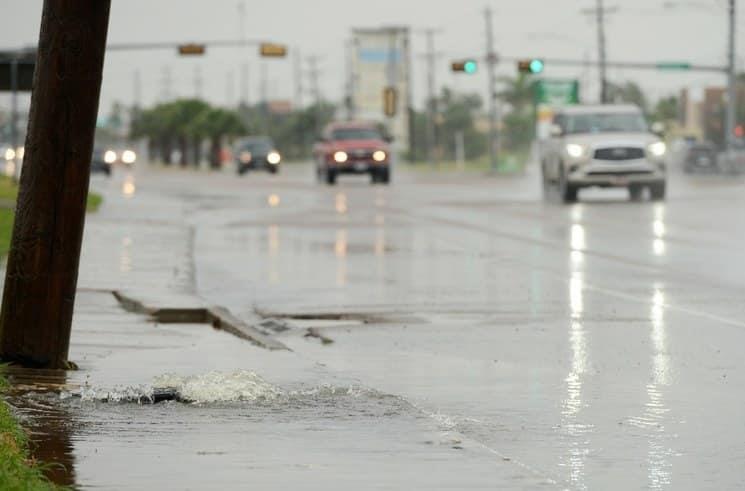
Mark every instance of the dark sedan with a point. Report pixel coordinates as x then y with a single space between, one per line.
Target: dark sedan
102 160
256 153
700 157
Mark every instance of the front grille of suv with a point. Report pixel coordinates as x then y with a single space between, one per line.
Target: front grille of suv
619 153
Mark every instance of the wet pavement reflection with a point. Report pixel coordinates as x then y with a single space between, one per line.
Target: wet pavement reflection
510 341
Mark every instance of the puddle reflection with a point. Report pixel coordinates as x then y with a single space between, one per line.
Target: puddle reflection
128 186
659 231
50 425
658 460
273 200
341 203
380 242
574 429
340 250
10 168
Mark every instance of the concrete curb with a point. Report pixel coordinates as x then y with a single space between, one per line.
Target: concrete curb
217 317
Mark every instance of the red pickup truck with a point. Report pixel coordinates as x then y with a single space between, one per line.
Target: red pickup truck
353 148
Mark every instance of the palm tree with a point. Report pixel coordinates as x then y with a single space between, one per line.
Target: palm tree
217 124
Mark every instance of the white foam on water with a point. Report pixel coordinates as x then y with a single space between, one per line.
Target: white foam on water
224 387
240 385
119 394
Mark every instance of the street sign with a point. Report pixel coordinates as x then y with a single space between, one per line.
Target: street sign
673 65
556 92
390 101
191 49
271 50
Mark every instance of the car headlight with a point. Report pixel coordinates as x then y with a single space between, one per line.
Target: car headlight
340 157
10 154
129 157
379 156
245 157
576 151
273 158
657 149
109 156
20 152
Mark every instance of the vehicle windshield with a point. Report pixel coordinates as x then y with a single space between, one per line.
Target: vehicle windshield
605 122
257 147
356 134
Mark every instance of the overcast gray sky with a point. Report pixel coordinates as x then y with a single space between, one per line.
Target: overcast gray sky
641 30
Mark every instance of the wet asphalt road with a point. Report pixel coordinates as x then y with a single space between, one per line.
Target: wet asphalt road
592 346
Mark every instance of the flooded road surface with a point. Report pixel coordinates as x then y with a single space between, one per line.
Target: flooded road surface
451 331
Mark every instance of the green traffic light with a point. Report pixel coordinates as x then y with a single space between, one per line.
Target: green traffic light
536 66
470 67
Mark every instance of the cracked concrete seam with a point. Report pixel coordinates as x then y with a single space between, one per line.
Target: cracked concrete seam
218 317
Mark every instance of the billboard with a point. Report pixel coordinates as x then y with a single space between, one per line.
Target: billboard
380 63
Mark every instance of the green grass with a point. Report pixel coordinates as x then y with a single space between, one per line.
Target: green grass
8 189
94 201
17 470
9 192
6 229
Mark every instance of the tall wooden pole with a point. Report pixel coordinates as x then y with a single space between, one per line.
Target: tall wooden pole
42 269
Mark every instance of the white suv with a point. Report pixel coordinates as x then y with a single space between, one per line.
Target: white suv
604 146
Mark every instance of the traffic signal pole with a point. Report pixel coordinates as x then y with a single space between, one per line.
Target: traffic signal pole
431 98
491 63
600 13
42 269
731 81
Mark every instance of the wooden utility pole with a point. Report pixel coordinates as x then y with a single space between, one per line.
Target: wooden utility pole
42 270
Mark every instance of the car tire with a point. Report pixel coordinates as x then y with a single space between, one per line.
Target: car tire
330 177
545 182
381 176
635 192
657 191
567 191
274 169
241 170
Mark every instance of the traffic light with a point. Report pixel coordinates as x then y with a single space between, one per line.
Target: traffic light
466 66
533 66
191 49
390 101
271 50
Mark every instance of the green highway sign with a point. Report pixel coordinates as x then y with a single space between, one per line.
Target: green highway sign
556 92
674 65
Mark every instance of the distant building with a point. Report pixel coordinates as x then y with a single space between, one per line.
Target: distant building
279 106
380 58
703 111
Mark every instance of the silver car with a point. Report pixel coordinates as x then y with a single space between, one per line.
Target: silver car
603 146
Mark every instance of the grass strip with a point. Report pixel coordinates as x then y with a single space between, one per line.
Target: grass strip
17 470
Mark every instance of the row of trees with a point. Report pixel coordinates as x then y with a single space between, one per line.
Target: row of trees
179 128
184 125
